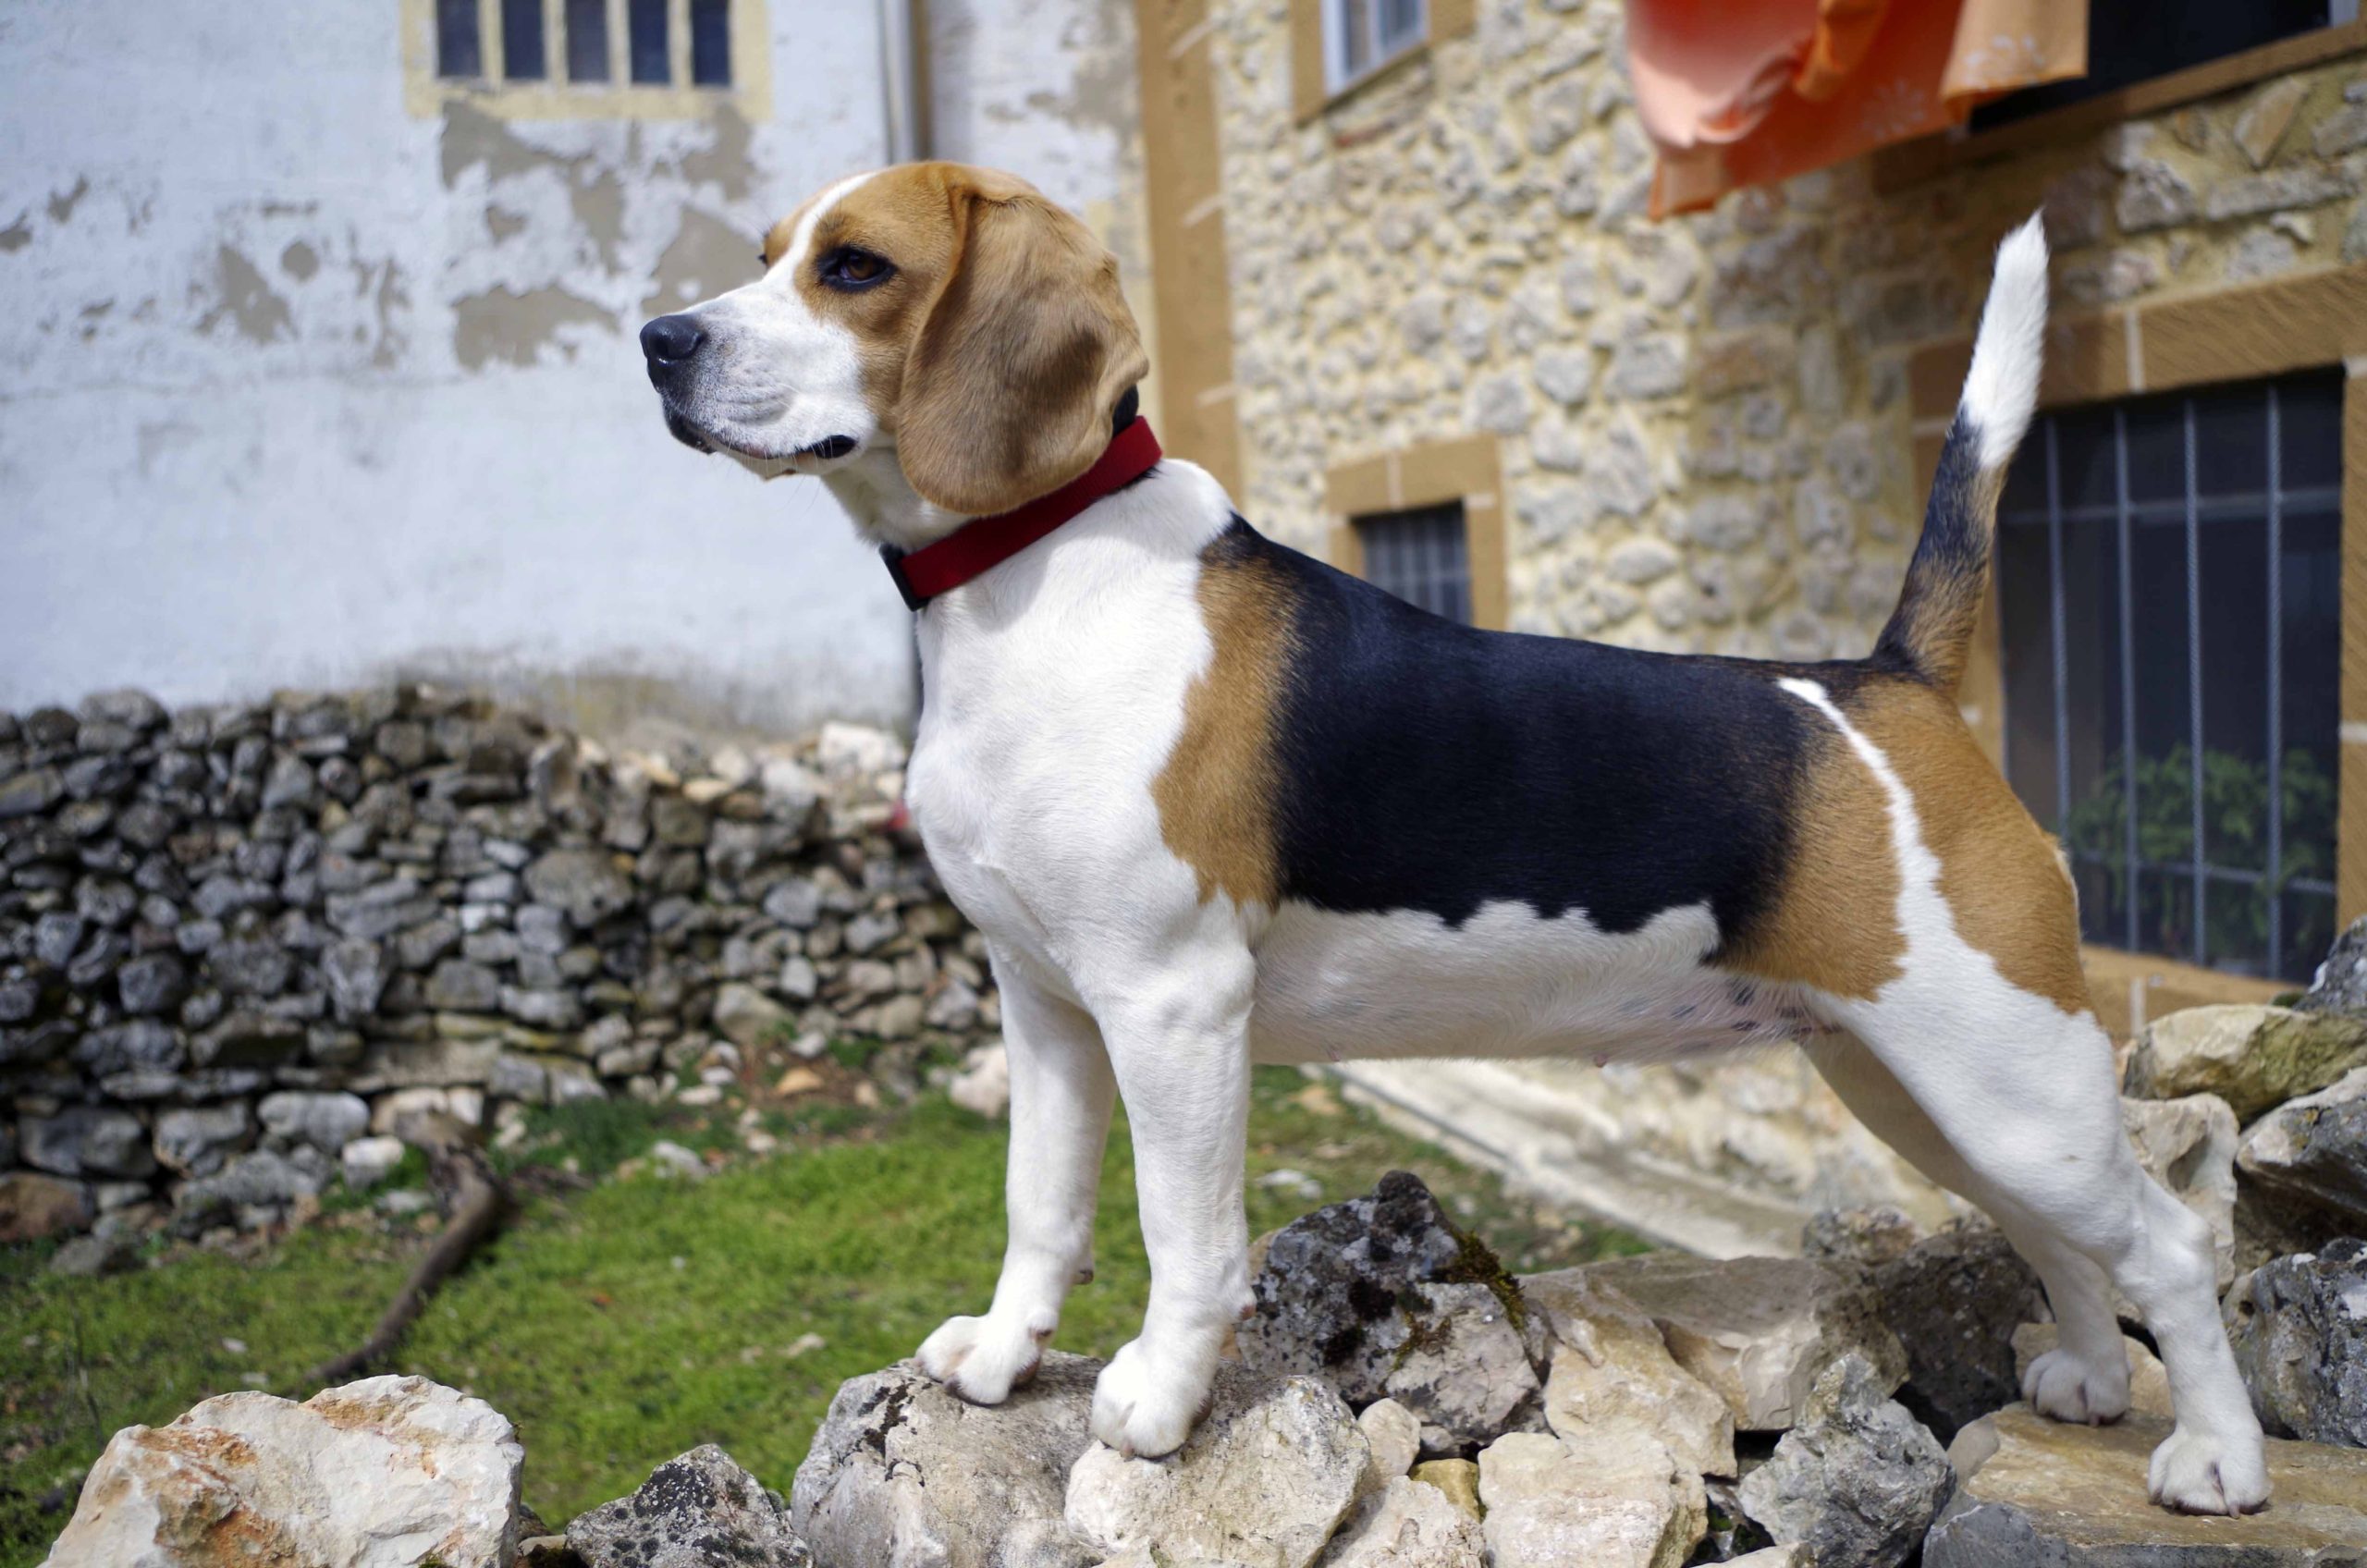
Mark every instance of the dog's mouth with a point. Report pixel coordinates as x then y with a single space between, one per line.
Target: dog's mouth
700 440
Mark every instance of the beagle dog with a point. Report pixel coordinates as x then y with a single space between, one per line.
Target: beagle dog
1214 803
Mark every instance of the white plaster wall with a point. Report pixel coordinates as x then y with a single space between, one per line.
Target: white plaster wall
268 417
1047 90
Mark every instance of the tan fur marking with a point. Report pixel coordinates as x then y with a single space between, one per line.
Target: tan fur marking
2000 874
995 351
1218 793
1834 921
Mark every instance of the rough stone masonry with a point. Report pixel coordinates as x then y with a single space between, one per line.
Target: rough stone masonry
240 944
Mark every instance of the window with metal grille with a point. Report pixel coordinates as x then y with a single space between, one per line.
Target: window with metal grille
646 29
2169 595
1422 556
1361 36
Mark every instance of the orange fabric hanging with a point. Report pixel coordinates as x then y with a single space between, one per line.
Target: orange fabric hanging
1739 92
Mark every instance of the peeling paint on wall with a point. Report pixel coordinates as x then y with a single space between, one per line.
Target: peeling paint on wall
245 300
299 261
61 206
706 257
725 163
18 235
515 328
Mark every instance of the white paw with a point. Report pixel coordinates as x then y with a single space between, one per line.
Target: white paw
1144 1406
982 1359
2201 1473
2067 1386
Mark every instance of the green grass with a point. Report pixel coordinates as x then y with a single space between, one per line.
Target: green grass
623 1324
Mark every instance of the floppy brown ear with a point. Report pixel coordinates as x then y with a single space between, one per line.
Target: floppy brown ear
1008 387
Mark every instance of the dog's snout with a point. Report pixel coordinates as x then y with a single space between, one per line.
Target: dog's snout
670 341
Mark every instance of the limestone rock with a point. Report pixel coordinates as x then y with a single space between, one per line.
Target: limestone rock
1758 1330
1407 1524
1264 1479
386 1472
2298 1327
196 1140
1857 1481
1457 1479
323 1120
2034 1493
1614 1379
2188 1145
1875 1235
2314 1148
695 1511
1394 1434
1331 1290
1464 1369
1954 1302
585 883
33 1206
1548 1510
83 1140
2149 1381
983 1086
2340 985
747 1017
902 1471
2252 1057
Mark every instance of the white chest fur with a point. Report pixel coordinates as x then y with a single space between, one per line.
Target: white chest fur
1052 694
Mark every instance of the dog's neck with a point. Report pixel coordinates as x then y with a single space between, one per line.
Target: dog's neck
887 511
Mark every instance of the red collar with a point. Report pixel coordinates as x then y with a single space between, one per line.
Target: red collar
987 542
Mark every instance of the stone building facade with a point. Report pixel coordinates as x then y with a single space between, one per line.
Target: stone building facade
1709 432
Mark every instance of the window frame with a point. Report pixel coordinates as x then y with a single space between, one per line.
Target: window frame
1315 87
2305 320
1429 474
557 95
1909 162
1338 77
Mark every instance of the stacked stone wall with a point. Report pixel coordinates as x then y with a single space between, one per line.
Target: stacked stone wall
238 941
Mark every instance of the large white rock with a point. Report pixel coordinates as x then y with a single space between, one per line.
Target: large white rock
1395 1434
1548 1509
1407 1524
1612 1379
386 1472
1758 1330
1264 1480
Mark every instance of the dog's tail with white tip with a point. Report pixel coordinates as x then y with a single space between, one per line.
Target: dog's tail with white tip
1933 624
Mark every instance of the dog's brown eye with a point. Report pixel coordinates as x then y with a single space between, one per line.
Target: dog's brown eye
848 269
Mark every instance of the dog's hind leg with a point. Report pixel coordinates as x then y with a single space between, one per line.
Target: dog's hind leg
2022 1096
2085 1377
1060 1093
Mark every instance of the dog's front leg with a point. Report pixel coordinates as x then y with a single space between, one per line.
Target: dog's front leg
1183 1064
1061 1092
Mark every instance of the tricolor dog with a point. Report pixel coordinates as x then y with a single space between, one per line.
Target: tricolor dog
1215 803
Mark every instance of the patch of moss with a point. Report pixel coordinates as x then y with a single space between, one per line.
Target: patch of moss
1476 1264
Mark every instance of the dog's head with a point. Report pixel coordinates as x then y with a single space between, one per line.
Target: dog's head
951 315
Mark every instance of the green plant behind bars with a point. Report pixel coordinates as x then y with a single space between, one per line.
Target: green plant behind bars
2235 813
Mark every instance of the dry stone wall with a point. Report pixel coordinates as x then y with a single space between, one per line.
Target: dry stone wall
238 943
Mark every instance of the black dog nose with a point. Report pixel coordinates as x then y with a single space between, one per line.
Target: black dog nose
670 341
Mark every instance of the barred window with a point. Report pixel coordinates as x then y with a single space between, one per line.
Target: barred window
2169 595
1361 36
589 33
1423 556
